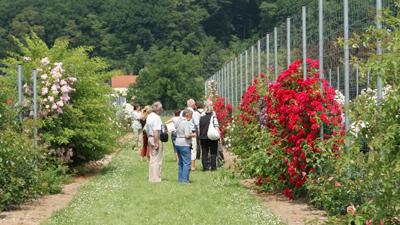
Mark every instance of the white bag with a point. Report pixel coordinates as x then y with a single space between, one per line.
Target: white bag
213 133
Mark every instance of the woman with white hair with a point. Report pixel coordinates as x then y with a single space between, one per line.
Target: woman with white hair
183 141
208 146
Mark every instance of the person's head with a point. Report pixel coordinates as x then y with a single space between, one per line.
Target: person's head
208 106
191 103
146 111
157 108
177 113
199 105
187 113
136 107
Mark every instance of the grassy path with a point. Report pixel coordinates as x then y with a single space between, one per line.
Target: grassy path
122 195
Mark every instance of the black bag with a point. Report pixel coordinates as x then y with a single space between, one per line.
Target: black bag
164 133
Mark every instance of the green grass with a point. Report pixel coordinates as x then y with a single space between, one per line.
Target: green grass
121 194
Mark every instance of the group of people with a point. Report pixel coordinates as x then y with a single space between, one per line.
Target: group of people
189 137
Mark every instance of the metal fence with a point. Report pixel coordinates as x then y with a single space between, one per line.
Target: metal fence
311 33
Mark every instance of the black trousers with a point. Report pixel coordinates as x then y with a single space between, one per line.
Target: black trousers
209 147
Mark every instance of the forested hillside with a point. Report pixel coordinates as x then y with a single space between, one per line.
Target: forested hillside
132 34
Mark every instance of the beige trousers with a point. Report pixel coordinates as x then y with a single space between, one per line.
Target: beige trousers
155 162
137 138
194 149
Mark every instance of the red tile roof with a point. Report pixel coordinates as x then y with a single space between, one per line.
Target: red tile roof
123 81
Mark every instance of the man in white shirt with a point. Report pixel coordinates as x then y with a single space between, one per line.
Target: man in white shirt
154 123
194 125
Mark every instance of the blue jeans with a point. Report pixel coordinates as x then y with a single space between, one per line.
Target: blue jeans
184 155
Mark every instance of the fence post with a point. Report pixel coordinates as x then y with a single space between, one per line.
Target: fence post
20 90
276 52
288 50
346 66
338 78
231 86
330 77
267 46
236 83
304 19
246 56
357 77
241 76
379 45
259 57
228 71
224 82
35 113
321 54
252 63
368 77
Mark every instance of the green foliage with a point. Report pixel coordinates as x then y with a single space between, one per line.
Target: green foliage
26 170
87 126
170 77
370 181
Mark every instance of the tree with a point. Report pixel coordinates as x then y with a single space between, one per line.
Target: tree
170 77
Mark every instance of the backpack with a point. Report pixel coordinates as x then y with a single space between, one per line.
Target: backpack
164 133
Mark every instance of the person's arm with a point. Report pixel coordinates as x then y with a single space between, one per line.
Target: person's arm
156 136
188 132
156 133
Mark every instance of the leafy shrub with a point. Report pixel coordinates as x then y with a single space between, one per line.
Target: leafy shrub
26 170
369 181
86 125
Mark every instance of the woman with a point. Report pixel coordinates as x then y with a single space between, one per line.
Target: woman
137 127
183 141
208 146
145 147
174 120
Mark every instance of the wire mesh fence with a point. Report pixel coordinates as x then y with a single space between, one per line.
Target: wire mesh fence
313 32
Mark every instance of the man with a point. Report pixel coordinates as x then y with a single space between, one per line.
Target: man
194 124
154 124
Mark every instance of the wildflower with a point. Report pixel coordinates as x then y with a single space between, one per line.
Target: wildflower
338 184
45 61
351 209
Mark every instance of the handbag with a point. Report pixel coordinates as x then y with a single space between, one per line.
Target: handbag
164 133
212 133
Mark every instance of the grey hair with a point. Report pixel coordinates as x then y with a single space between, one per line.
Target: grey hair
187 112
208 106
156 106
190 103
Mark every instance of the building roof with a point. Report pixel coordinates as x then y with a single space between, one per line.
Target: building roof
123 81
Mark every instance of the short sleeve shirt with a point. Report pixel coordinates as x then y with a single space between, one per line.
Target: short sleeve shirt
136 120
153 122
183 129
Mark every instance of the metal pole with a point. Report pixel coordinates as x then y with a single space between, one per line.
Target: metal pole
338 78
330 77
268 68
259 57
368 78
304 18
35 131
241 76
321 54
346 65
379 46
321 39
228 93
231 97
252 63
20 90
288 50
223 83
276 52
357 77
246 56
236 86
